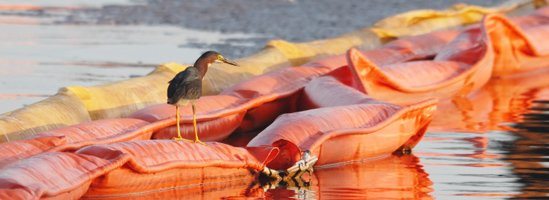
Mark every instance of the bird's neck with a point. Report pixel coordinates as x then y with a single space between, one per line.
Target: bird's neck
202 67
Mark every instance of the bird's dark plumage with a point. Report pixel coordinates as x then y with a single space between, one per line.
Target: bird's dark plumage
185 85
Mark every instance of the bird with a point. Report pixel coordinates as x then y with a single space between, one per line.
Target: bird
186 87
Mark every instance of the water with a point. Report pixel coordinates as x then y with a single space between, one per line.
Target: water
490 144
38 55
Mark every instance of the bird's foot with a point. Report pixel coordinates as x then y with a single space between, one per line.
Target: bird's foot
199 142
181 139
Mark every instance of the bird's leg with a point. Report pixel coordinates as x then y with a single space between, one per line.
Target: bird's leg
177 118
196 140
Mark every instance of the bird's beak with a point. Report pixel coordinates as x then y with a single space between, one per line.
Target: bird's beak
228 62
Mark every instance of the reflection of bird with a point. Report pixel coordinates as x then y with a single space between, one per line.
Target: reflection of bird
186 86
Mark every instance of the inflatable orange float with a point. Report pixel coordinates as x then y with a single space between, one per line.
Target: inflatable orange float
348 128
496 47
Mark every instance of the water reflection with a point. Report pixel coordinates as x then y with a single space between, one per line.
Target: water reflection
528 153
501 100
398 177
491 143
392 177
235 188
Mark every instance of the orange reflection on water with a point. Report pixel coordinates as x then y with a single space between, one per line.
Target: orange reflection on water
19 7
392 177
223 189
517 105
501 100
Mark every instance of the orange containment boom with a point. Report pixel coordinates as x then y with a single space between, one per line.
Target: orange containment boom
496 47
77 136
341 133
127 169
156 165
520 43
55 175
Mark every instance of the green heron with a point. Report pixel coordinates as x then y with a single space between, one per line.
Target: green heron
186 87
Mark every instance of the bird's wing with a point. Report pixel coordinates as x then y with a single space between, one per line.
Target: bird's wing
190 89
172 87
180 85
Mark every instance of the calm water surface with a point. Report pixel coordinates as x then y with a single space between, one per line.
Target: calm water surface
490 144
39 55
